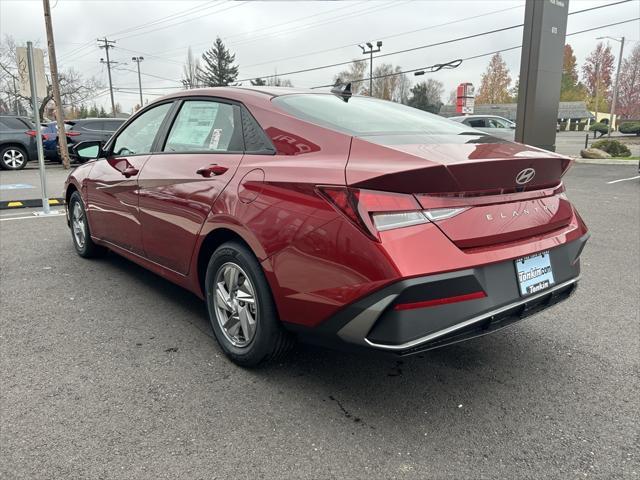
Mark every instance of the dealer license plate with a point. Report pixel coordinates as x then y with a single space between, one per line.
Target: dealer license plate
534 273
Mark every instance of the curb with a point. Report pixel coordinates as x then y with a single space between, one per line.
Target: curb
31 203
605 161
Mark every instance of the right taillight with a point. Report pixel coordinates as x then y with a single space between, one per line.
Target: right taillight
375 211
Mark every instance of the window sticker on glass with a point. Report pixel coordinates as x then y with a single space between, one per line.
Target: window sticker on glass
201 125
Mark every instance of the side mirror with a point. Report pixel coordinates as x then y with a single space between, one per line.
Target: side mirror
85 151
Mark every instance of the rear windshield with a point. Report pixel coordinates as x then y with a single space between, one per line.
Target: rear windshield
362 116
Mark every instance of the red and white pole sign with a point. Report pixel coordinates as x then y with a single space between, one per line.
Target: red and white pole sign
465 98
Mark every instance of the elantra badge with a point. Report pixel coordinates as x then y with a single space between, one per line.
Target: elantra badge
525 176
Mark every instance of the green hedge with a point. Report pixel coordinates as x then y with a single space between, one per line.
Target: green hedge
599 127
612 147
630 128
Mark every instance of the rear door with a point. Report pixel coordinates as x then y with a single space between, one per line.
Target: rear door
178 185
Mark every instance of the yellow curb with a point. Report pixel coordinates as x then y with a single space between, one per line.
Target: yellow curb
14 204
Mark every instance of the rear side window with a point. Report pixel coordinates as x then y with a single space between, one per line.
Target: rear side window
93 125
365 115
112 125
137 138
476 123
255 139
12 123
205 126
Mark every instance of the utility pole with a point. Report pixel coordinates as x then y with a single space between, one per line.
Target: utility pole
107 44
138 60
597 90
55 83
370 52
614 100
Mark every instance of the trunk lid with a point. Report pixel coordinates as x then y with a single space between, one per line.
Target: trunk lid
511 191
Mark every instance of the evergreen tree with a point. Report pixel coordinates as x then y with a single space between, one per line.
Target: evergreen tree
427 96
217 66
84 113
102 113
93 111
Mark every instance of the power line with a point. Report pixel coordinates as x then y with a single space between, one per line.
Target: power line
466 37
515 47
183 21
383 38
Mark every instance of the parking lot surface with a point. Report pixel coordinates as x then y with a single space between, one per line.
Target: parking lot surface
110 372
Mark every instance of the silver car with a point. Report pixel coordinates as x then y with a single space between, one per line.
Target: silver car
492 124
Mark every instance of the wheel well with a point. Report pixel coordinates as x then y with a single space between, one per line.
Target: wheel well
70 189
14 144
212 241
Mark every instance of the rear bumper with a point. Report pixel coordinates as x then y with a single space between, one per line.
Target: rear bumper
374 323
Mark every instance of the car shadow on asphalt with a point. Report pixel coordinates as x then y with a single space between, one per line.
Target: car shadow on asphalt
482 369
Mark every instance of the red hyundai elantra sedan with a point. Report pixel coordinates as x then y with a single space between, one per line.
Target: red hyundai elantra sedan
336 218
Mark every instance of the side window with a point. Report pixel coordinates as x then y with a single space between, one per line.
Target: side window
255 139
96 125
139 135
112 125
476 123
496 123
205 126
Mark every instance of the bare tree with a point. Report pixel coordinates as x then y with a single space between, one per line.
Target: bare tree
277 81
190 71
354 73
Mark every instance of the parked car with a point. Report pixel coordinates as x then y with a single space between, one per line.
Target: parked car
17 142
339 219
50 140
91 129
497 126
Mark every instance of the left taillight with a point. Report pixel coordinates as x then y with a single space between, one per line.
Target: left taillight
32 133
376 211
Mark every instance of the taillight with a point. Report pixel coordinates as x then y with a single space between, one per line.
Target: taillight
375 211
32 133
72 134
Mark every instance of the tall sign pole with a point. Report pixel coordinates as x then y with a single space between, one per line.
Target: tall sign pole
545 29
36 120
55 83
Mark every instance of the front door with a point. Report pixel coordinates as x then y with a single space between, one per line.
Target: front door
112 191
179 185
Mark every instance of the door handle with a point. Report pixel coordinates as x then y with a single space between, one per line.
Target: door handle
211 170
130 172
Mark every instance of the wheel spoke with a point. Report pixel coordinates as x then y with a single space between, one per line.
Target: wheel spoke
247 322
223 297
231 279
232 325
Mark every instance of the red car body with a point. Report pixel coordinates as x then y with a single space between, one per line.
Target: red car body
305 210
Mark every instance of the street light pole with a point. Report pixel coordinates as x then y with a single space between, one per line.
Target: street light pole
138 60
614 100
370 52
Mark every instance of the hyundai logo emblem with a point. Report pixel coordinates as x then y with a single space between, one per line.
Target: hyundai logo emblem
525 176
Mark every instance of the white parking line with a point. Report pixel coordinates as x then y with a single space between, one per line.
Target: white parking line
623 179
6 218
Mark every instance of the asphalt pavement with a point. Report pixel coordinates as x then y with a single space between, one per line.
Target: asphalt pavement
110 372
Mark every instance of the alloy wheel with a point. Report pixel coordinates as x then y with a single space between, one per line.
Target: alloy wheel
13 158
78 224
235 305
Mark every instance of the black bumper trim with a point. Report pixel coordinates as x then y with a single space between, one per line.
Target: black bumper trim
485 316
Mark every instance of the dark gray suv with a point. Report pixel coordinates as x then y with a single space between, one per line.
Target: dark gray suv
88 129
17 142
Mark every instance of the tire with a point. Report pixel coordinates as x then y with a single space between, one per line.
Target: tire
79 226
245 343
13 158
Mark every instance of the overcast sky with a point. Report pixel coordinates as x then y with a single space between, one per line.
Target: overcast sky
279 36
